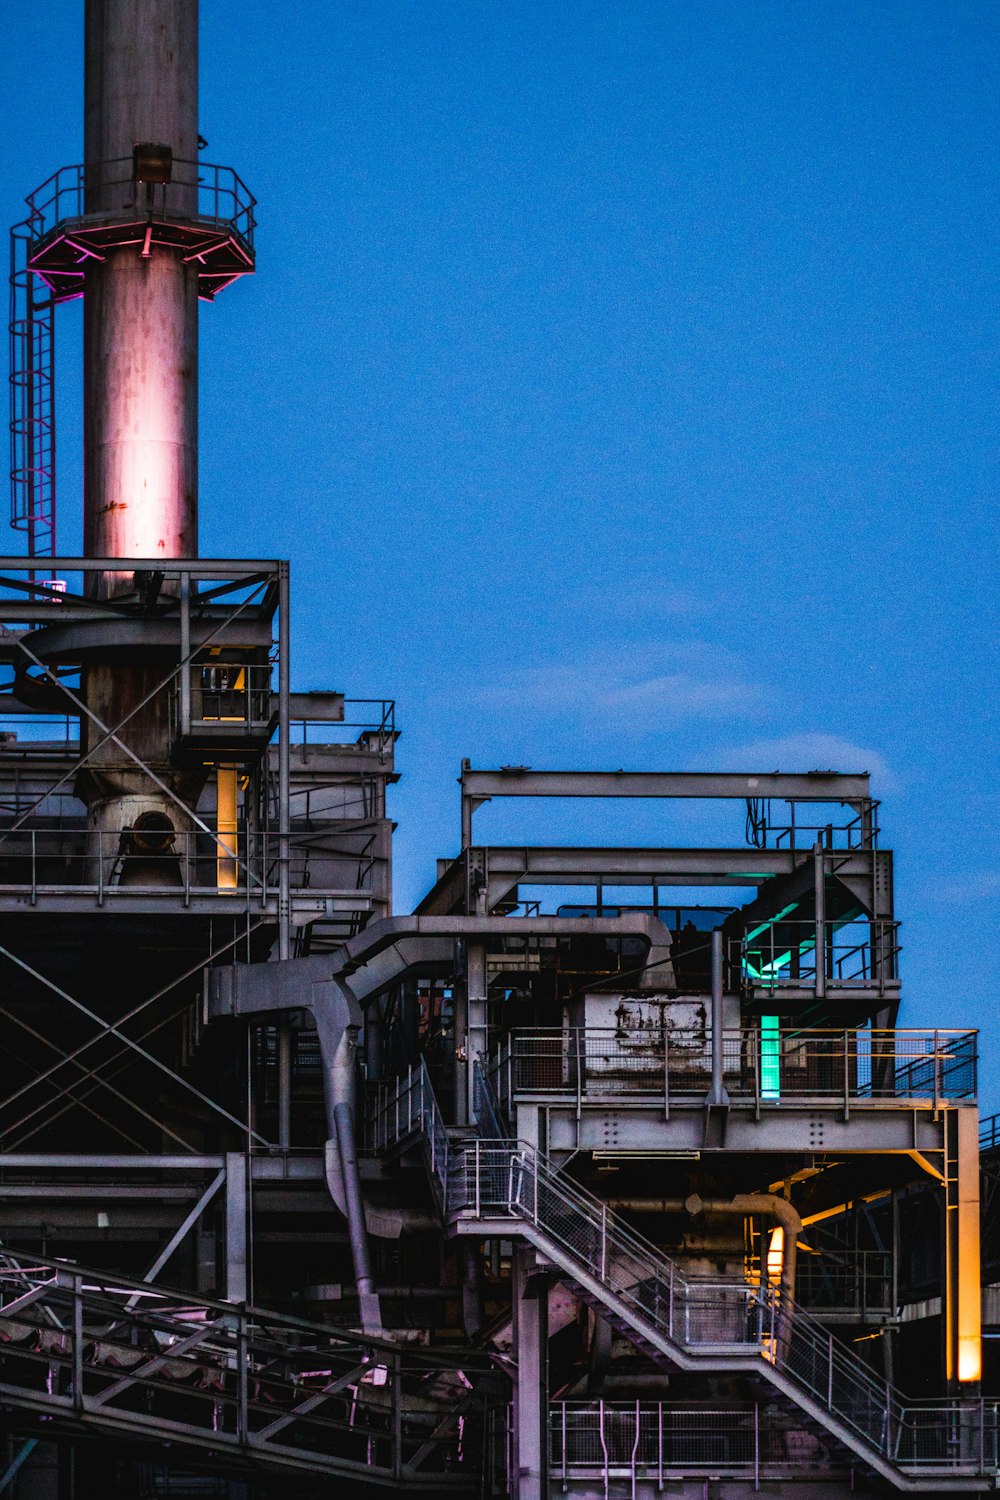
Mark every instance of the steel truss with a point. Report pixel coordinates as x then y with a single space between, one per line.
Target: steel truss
248 1389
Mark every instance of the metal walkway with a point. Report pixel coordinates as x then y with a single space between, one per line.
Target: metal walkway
243 1388
496 1187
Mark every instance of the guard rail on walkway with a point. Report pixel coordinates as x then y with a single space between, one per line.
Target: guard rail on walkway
620 1444
123 1358
763 1065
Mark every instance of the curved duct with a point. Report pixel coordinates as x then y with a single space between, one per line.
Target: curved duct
375 958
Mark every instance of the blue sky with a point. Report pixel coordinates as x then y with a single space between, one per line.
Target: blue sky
621 380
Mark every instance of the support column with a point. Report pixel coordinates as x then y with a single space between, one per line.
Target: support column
531 1389
819 887
463 1067
236 1227
477 1042
284 1060
284 766
962 1295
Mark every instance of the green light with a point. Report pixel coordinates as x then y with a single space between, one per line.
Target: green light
771 921
770 1058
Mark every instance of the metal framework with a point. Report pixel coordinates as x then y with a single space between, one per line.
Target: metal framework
567 1183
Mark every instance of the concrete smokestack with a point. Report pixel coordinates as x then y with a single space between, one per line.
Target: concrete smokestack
141 307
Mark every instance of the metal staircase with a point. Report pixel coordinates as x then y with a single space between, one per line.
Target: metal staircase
81 1352
496 1187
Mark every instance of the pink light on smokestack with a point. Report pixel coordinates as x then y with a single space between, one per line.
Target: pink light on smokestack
140 306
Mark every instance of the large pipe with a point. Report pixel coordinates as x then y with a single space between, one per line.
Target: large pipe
364 1279
140 386
763 1205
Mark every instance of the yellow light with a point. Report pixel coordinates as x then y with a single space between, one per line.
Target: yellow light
775 1256
970 1359
227 873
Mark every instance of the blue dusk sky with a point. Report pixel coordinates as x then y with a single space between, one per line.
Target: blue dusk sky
621 381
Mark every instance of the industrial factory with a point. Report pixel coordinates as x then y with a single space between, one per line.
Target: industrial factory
531 1192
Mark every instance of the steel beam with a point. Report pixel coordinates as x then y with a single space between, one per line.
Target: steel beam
236 1227
813 786
804 1131
198 567
865 870
530 1391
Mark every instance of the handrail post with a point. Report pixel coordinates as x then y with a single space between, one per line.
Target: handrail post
819 889
635 1446
937 1076
847 1081
670 1302
756 1441
829 1372
666 1076
604 1241
397 1417
478 1194
242 1360
659 1446
78 1343
604 1450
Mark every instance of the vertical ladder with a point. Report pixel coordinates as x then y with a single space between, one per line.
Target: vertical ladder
32 399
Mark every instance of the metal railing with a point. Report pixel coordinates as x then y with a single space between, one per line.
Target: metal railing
763 1065
52 864
856 955
989 1133
619 1443
857 1281
374 717
226 695
489 1181
505 1186
490 1116
202 190
406 1107
115 1354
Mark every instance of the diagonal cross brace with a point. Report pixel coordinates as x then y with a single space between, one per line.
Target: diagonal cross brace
311 1402
112 734
149 1057
152 1365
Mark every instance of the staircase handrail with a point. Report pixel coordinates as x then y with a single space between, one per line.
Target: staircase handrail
488 1110
639 1275
408 1104
514 1180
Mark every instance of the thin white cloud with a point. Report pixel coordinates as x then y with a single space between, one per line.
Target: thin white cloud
640 685
645 597
811 751
978 885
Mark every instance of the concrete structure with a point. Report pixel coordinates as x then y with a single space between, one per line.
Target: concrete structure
516 1195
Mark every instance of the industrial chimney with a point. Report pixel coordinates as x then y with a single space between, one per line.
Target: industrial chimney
141 300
